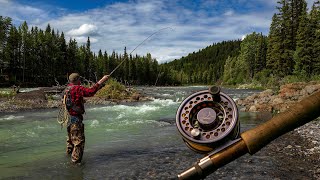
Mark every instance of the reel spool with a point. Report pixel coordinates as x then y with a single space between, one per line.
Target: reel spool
208 120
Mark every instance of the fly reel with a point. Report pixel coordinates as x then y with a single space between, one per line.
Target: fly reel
207 120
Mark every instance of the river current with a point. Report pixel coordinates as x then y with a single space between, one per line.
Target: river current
131 141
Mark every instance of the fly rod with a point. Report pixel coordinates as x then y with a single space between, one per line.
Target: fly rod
137 47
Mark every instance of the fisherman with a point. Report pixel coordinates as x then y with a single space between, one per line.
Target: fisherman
75 128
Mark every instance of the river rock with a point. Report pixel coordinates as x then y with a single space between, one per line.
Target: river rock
277 100
253 108
266 93
135 96
312 88
270 101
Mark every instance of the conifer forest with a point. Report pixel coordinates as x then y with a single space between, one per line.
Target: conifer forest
30 56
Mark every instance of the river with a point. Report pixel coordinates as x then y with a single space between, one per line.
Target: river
132 141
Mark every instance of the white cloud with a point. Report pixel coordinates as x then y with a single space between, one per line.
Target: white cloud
20 13
4 1
84 29
229 13
147 7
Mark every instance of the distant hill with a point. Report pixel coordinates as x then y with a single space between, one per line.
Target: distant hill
203 67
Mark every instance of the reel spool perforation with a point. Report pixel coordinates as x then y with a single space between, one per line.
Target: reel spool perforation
205 119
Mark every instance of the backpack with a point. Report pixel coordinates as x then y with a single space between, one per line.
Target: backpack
67 98
67 101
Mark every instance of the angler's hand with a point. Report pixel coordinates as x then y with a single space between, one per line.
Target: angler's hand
103 79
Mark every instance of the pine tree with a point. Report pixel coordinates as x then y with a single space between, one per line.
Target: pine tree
315 25
47 59
106 62
275 48
302 57
35 55
87 64
12 54
125 65
71 57
5 26
282 36
261 52
101 64
81 59
132 69
286 32
25 47
61 57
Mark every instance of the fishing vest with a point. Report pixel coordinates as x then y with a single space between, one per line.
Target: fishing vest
67 101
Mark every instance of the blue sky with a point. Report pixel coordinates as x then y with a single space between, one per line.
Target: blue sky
115 24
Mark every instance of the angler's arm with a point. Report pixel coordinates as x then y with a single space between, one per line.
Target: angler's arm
87 92
103 79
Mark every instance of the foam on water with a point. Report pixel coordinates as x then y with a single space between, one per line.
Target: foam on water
120 116
40 127
10 117
109 130
164 102
31 133
166 95
94 123
137 121
162 123
146 108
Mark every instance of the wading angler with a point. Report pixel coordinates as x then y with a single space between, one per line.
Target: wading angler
74 104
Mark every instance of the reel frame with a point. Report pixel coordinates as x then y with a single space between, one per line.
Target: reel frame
208 119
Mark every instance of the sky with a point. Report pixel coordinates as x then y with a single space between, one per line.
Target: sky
167 29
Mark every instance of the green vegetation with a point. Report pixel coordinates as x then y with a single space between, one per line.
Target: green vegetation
6 93
114 90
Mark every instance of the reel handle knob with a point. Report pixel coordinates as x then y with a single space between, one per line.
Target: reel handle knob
214 90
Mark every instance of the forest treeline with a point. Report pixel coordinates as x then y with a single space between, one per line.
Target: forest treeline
36 57
290 52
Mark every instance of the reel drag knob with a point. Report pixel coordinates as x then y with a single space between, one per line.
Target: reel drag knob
207 120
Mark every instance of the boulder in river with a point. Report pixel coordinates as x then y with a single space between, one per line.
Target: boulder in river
271 101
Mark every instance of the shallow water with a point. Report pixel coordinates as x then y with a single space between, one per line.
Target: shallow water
135 141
